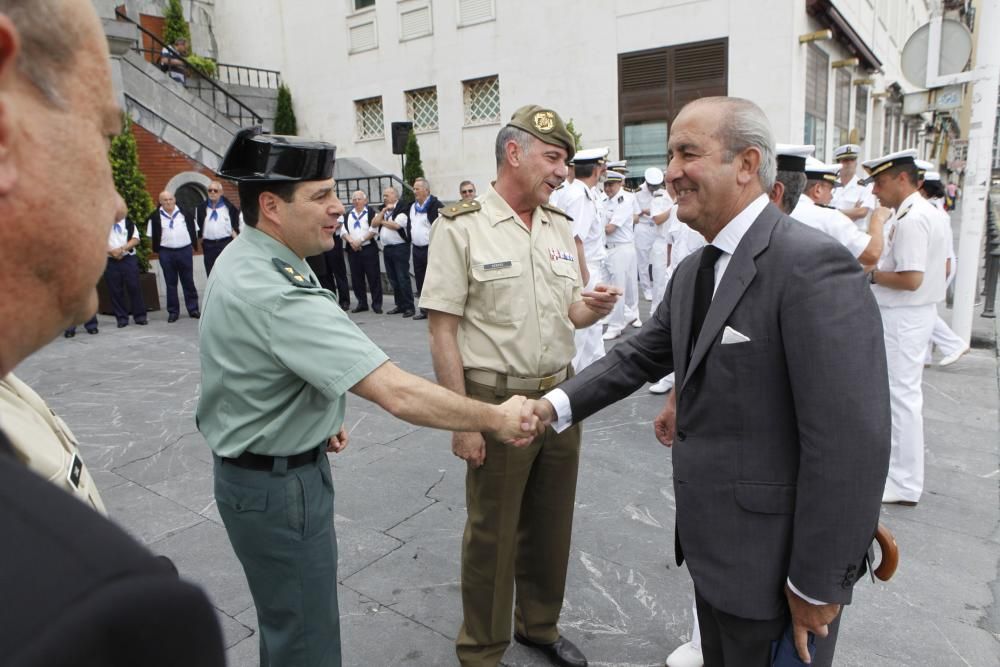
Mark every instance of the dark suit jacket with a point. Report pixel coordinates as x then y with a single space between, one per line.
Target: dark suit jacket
77 591
155 229
201 213
782 442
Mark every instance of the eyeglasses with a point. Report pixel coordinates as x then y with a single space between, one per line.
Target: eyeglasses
468 192
214 190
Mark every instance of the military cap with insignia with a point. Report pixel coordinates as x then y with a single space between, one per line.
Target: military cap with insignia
614 177
820 171
621 166
846 152
878 165
254 157
543 124
590 155
923 166
792 157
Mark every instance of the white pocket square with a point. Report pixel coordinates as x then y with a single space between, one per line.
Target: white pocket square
731 335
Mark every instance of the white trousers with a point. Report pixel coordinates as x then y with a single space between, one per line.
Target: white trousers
946 340
658 258
589 341
645 234
907 333
621 265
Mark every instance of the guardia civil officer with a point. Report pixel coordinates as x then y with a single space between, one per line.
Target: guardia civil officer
278 356
908 282
504 293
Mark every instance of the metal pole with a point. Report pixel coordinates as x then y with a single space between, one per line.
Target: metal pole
976 188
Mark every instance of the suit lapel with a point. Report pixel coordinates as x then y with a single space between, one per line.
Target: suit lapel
737 278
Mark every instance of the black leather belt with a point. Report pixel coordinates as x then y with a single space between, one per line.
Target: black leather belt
252 461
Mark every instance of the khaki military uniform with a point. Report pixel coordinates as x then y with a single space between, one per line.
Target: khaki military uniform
43 442
513 287
278 356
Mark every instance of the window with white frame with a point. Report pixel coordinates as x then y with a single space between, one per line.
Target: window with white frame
842 107
817 78
415 23
861 114
481 99
369 119
422 109
358 5
363 36
475 11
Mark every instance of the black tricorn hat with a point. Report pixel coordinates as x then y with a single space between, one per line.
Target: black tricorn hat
257 157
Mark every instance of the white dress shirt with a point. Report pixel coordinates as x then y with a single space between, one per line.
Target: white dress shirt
118 237
620 210
914 241
391 236
420 226
174 231
356 226
218 226
833 223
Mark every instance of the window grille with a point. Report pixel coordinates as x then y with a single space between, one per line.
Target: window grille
482 101
422 109
370 123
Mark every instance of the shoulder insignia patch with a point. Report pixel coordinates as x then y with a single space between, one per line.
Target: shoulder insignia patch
460 208
556 209
293 276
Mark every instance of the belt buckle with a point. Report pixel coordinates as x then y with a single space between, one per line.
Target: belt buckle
547 383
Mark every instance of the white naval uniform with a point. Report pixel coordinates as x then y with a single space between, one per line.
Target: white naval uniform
645 234
833 223
561 195
914 241
621 261
660 203
853 195
588 225
946 340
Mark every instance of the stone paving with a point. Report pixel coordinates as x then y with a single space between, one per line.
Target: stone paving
130 395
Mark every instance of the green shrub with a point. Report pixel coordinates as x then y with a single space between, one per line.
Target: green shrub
412 168
284 117
175 26
131 185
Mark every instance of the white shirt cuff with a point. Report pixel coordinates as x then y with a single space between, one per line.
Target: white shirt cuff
802 595
560 403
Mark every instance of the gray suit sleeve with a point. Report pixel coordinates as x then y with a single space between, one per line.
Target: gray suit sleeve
645 357
835 355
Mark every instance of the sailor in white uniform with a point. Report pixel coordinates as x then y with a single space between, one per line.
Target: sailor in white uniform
621 210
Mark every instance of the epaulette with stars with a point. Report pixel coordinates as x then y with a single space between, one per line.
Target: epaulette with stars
460 208
293 276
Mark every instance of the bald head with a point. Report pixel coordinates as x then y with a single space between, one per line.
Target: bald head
167 201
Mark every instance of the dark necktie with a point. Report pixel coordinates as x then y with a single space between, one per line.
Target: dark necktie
704 285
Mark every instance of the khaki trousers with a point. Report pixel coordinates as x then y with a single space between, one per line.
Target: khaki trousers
518 531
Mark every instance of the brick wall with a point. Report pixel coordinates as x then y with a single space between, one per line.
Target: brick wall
160 162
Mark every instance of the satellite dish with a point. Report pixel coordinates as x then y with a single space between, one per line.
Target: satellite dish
956 47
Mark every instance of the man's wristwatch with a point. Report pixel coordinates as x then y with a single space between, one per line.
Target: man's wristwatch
871 277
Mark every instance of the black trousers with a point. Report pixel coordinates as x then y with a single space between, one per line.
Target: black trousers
420 266
211 249
335 276
365 267
732 641
397 268
179 263
122 275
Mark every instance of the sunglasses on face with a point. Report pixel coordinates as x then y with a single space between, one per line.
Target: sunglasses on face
214 190
468 192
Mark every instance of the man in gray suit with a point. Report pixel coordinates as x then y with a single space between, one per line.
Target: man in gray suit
783 426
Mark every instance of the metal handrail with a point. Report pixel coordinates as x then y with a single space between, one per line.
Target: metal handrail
231 102
242 75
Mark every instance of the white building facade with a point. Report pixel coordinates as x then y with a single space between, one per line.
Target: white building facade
620 69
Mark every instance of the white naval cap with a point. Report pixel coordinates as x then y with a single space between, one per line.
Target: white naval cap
613 177
923 166
792 157
876 166
932 176
590 155
619 165
820 171
654 176
846 152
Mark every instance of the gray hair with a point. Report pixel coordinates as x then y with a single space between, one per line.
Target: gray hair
421 179
49 43
795 185
745 126
515 134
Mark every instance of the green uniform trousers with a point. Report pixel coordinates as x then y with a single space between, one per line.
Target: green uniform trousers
280 523
518 531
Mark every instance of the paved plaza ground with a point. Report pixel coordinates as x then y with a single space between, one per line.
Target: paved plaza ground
130 396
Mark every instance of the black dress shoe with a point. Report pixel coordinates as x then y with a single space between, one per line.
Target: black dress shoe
92 331
561 652
420 316
122 325
195 315
395 311
377 311
345 305
68 334
407 313
142 323
172 318
359 309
